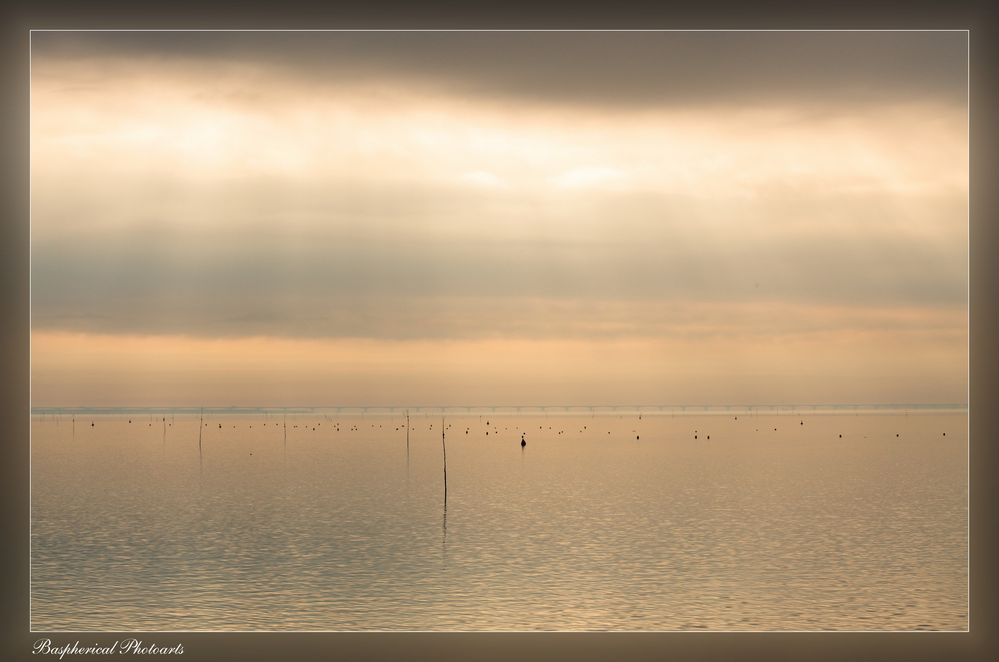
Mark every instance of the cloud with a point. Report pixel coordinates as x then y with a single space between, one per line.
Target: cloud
96 370
633 69
216 284
589 177
484 179
685 214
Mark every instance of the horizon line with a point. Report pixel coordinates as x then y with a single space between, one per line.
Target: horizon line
514 407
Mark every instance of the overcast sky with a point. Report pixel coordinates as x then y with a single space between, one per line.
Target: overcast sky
498 218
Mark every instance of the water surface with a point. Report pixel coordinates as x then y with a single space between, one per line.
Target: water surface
602 522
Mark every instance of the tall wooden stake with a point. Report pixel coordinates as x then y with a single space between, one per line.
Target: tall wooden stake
444 448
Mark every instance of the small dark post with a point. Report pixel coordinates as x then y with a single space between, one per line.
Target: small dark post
201 425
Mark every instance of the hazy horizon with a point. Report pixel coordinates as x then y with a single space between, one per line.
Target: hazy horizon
268 219
553 408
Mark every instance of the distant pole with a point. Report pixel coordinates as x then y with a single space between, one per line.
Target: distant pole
201 426
407 433
286 435
444 448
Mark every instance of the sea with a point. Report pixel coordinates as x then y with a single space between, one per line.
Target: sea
500 519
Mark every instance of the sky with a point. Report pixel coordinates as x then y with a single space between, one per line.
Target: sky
496 218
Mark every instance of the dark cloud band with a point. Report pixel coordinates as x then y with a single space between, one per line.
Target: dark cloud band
590 68
382 290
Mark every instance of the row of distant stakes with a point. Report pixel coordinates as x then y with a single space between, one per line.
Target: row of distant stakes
408 428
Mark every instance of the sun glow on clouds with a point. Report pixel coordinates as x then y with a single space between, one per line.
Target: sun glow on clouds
178 135
590 177
483 179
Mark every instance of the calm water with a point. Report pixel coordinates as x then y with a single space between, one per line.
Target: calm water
587 528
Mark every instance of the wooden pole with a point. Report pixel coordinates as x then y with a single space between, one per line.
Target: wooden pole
444 448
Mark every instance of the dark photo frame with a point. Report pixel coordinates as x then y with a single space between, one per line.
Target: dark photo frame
976 644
